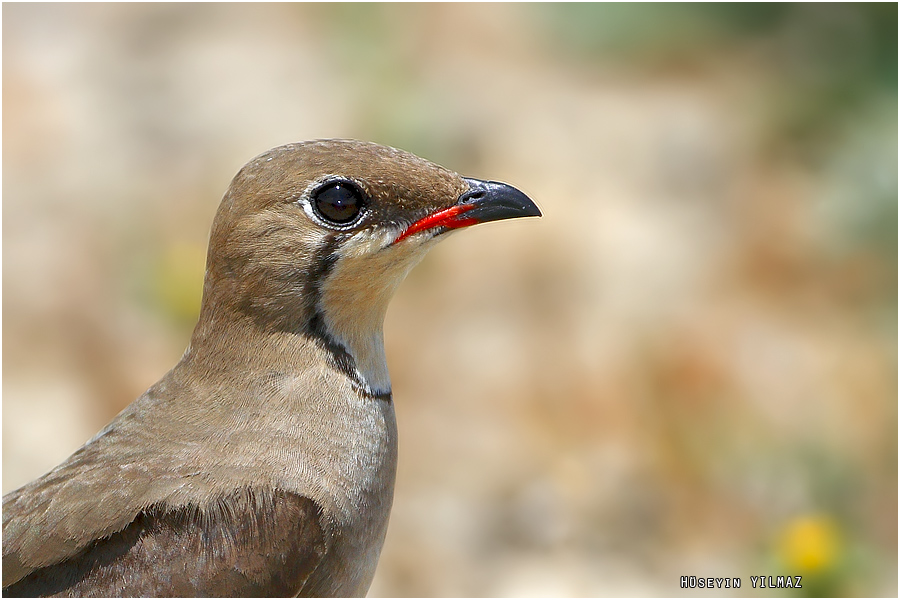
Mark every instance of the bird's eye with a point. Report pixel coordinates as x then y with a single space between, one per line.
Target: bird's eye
338 202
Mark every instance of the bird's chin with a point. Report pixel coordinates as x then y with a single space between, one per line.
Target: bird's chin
421 238
440 232
425 239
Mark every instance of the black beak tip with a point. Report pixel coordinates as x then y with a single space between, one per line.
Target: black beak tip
494 201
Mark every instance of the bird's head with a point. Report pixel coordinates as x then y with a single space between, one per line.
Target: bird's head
316 236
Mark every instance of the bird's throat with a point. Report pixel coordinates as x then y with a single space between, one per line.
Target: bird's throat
354 299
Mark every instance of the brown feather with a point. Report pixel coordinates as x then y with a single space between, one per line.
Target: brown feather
229 545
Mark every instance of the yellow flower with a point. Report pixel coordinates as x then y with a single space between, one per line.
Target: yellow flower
809 543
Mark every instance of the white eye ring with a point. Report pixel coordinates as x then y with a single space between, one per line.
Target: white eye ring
335 202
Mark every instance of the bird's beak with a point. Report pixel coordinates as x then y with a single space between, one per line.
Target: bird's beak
484 201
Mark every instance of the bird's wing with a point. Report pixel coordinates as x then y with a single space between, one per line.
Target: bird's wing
253 542
84 499
91 506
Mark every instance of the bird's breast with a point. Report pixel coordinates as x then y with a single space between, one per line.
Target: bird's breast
348 466
339 448
369 466
305 427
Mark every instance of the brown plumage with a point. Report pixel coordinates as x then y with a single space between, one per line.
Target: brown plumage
263 463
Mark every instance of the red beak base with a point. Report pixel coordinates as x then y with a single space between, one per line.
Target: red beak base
484 201
449 218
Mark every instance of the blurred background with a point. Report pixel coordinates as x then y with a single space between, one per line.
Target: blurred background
688 366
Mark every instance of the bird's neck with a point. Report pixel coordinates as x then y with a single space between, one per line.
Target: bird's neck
353 301
338 300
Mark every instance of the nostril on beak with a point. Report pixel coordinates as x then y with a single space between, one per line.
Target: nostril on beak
471 196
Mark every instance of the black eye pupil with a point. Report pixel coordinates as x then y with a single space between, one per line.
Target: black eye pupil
338 202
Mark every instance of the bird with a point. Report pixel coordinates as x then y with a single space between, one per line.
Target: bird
263 463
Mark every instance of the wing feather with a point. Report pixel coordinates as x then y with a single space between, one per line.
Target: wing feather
257 542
